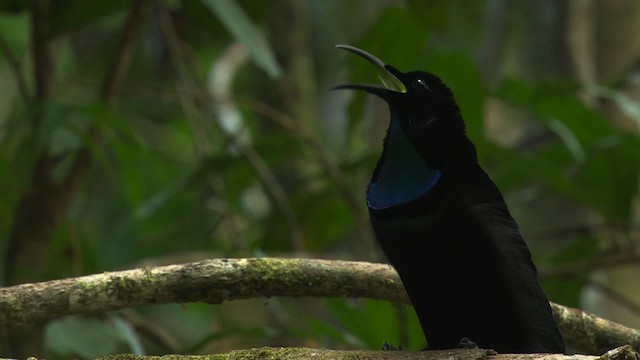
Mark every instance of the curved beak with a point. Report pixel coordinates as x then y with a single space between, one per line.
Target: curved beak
388 75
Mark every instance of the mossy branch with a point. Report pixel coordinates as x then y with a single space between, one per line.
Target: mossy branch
319 354
621 353
216 281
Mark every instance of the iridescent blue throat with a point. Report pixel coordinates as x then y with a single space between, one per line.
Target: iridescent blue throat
404 176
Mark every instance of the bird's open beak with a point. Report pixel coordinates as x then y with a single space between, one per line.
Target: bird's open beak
387 75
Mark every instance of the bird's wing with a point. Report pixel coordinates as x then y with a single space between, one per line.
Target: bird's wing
499 230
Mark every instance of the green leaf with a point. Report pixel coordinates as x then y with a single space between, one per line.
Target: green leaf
54 115
15 30
126 332
569 139
246 32
552 102
539 168
106 118
197 176
373 322
612 176
85 337
567 291
604 173
324 329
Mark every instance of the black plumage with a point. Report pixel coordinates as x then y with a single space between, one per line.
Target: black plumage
444 225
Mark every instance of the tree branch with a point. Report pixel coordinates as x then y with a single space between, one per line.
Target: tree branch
40 37
123 54
216 281
629 256
36 214
621 353
588 333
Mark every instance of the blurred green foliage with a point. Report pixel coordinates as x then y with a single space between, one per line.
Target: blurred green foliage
170 183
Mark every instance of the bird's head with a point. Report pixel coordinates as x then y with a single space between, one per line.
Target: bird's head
426 134
422 104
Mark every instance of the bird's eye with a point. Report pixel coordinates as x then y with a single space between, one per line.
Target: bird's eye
419 84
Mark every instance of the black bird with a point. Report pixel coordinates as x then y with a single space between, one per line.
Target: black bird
444 225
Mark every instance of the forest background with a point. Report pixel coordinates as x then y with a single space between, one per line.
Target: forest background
143 133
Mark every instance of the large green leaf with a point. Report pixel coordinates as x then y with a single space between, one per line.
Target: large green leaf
374 322
604 171
246 32
611 176
15 29
567 291
84 337
539 168
558 102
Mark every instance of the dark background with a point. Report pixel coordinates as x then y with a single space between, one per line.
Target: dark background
147 133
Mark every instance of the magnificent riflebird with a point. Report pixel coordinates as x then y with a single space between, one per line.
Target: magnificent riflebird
444 225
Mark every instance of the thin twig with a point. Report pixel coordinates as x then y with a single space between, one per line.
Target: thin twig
297 129
616 296
325 160
586 266
40 37
188 85
606 290
157 333
123 53
277 191
185 83
112 83
582 229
